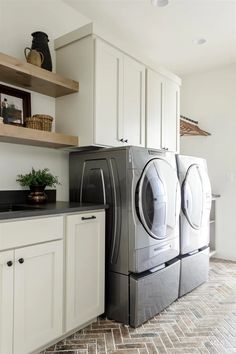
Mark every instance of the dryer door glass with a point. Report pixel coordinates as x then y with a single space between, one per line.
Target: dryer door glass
192 192
157 198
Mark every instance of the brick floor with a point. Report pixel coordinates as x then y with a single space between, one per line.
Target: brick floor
203 321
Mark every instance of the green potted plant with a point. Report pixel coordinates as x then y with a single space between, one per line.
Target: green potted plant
37 181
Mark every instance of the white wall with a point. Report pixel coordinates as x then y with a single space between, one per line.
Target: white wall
18 19
210 98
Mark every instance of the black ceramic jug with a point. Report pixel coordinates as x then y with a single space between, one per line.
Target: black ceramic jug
40 43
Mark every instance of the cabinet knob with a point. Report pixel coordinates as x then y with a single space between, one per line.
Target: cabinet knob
122 140
21 260
126 141
9 263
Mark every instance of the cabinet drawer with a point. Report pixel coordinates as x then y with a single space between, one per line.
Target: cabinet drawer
27 232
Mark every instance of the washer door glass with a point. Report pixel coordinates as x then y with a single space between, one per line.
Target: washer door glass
158 198
192 192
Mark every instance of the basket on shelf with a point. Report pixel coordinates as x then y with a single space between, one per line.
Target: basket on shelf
40 122
33 123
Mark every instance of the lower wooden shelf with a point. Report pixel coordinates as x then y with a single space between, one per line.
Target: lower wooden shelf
20 135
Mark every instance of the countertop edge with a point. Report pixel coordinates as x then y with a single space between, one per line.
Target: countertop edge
50 211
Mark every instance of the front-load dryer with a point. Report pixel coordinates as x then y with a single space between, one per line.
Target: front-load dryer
142 225
194 221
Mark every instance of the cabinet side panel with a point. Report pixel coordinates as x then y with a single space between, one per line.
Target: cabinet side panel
74 113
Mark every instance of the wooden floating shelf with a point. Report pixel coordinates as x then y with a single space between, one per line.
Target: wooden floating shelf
20 135
34 78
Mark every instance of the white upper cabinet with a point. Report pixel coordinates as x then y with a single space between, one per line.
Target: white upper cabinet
153 110
162 112
170 115
108 94
134 102
110 107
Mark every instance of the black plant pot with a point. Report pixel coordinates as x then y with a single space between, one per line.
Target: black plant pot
37 195
40 43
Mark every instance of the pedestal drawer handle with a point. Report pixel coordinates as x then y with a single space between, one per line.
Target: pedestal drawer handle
88 218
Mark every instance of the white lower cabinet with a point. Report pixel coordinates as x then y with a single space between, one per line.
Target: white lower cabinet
6 301
32 285
30 297
85 267
38 296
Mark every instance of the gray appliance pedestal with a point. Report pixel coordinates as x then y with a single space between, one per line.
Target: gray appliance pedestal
136 298
194 271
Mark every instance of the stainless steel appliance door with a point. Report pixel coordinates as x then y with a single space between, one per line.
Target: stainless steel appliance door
196 196
158 198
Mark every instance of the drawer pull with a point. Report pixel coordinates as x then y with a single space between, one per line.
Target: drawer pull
21 260
9 263
88 218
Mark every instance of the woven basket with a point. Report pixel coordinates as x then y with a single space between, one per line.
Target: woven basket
33 123
46 121
40 122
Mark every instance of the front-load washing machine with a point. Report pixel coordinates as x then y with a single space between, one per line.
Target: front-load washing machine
141 188
194 221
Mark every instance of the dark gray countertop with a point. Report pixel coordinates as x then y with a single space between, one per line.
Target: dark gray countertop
49 209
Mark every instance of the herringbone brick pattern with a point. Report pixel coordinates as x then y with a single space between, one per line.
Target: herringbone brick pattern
203 321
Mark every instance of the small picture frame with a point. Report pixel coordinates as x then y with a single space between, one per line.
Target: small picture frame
15 105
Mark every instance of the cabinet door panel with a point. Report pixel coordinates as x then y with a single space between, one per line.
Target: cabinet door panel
6 302
134 102
38 298
85 268
108 94
170 120
153 110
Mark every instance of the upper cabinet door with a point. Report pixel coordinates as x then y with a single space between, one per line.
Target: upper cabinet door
170 115
108 94
134 102
153 109
6 301
38 296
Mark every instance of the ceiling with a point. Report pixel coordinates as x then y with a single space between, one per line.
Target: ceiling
166 35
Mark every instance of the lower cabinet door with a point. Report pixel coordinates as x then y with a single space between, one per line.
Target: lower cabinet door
85 268
38 296
6 301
